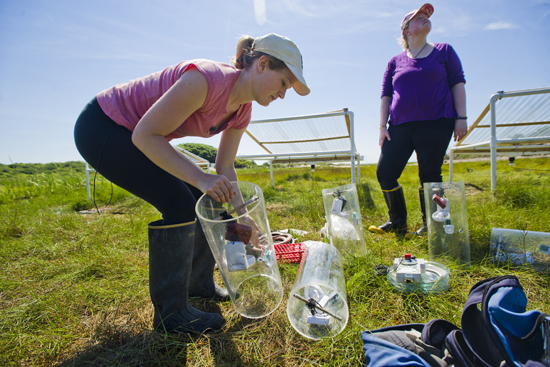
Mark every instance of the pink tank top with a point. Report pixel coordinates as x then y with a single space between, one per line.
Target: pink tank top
126 103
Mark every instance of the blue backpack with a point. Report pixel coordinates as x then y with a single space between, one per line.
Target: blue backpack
497 331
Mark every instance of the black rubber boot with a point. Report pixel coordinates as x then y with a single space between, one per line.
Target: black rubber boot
170 257
201 281
397 211
422 230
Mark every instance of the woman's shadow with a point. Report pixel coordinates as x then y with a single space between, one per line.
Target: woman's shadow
130 345
223 348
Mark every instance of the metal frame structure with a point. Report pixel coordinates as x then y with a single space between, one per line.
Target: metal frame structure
511 146
193 158
310 157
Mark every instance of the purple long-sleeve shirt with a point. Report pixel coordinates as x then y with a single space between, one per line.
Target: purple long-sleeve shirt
420 89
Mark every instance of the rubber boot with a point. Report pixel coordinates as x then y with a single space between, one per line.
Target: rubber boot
170 257
397 211
201 281
422 230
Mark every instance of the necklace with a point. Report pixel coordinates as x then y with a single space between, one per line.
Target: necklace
422 49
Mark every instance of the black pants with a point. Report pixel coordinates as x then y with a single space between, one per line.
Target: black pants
429 139
108 148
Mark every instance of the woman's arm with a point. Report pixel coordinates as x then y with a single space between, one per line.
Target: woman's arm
225 160
225 165
166 115
459 98
384 114
227 151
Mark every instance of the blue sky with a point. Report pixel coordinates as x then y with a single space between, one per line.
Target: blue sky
55 55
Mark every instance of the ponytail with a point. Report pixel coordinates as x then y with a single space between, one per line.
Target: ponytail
244 49
245 55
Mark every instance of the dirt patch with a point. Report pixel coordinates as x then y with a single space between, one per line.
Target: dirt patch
471 189
92 211
277 208
106 210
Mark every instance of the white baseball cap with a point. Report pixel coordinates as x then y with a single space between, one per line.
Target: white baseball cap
285 50
426 8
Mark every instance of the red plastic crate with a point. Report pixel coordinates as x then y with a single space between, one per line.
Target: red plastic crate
289 253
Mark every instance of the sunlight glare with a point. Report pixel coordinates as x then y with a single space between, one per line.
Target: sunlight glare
259 11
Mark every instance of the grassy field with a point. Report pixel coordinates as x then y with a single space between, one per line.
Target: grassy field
74 286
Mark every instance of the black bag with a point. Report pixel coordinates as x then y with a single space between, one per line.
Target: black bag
409 345
497 331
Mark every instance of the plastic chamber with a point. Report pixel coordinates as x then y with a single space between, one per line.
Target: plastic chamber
520 247
345 224
447 221
240 239
320 282
409 274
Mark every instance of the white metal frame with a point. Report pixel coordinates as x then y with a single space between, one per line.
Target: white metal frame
193 158
88 170
494 141
313 157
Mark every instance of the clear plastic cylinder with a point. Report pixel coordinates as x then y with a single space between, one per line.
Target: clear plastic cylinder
344 220
520 247
320 279
243 248
447 221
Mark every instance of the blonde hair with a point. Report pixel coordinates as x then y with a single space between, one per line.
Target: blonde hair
403 40
245 55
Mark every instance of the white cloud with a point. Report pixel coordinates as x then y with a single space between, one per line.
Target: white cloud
499 25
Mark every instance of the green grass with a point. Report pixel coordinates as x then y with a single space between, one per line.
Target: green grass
74 287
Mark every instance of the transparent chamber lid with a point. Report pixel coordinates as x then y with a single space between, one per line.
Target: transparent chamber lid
409 274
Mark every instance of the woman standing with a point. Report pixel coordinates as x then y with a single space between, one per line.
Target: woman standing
124 133
424 101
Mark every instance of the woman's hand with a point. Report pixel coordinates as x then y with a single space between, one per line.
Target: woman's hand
461 128
459 99
384 114
255 238
384 134
218 187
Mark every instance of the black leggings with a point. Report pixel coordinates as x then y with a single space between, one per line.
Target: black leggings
108 148
429 139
